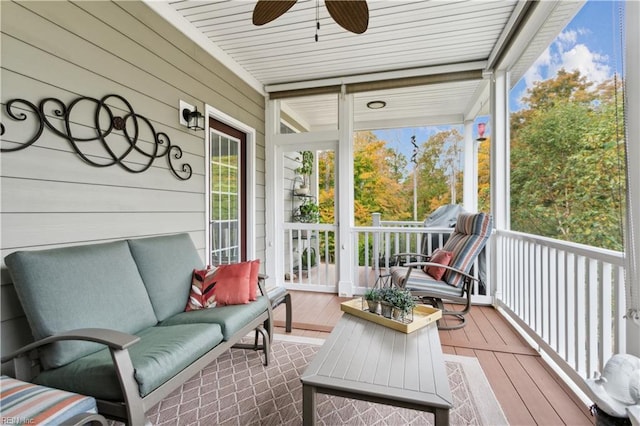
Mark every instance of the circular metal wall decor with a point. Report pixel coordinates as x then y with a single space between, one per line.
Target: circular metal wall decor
133 145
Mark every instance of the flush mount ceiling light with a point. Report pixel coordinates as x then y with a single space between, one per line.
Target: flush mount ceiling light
376 104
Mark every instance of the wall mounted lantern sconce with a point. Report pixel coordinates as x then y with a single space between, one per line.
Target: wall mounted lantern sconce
191 117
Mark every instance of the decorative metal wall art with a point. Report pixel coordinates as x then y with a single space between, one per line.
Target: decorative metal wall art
134 144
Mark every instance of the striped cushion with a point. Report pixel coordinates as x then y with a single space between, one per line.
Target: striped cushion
26 403
418 280
468 239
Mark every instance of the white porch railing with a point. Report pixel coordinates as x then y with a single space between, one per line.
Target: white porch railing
309 261
376 247
569 298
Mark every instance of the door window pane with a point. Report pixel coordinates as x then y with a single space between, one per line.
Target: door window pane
224 187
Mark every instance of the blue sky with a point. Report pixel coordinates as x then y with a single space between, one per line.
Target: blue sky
590 43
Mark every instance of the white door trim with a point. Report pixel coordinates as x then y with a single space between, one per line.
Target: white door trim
250 172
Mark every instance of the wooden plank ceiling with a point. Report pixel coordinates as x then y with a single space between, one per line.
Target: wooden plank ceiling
402 36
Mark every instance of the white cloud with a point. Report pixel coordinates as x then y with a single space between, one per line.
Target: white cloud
567 52
590 64
538 71
567 38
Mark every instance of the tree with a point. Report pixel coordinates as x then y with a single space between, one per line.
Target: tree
565 168
484 175
439 172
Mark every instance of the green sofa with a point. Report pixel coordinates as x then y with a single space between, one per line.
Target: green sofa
109 321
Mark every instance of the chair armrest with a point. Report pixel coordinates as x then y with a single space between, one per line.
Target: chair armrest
112 338
397 256
412 254
420 264
118 343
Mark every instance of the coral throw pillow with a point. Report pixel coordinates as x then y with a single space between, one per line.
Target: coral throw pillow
253 279
201 295
231 283
220 286
443 258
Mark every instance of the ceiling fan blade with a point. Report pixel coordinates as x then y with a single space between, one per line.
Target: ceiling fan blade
267 10
352 15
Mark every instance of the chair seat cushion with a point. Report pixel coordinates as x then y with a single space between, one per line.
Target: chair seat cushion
40 405
231 318
421 281
161 353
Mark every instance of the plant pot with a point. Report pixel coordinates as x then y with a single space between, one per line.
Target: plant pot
386 309
397 314
303 190
373 306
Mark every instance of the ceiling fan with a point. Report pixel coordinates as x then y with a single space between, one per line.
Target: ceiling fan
352 15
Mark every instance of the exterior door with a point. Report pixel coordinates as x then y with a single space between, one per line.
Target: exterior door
227 194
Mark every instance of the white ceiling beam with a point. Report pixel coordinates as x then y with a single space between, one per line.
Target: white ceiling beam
479 101
423 121
379 76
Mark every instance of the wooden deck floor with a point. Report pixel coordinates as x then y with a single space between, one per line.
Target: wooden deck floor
529 392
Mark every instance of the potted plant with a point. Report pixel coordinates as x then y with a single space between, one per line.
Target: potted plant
386 296
305 170
372 296
308 212
403 303
396 302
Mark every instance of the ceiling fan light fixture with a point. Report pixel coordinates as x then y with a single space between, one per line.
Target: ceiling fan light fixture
376 104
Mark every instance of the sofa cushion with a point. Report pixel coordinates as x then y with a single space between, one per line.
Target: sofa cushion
166 264
90 286
231 318
161 353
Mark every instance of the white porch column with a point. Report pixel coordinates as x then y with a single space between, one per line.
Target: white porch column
345 253
470 176
272 212
632 236
500 159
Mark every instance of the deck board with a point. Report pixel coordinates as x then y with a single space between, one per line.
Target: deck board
528 390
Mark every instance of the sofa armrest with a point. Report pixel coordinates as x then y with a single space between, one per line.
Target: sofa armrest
112 338
118 343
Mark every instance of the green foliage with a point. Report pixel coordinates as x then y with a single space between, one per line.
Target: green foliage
372 294
306 163
308 211
398 297
566 175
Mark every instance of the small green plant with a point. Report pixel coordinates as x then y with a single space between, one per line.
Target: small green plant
308 212
306 163
372 294
399 298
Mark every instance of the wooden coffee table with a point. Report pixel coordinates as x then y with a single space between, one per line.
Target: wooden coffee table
367 361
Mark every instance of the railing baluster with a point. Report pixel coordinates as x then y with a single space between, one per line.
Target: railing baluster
568 297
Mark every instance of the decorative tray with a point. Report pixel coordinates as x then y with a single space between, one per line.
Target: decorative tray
422 316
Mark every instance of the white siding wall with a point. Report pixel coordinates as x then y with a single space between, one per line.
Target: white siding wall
50 197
